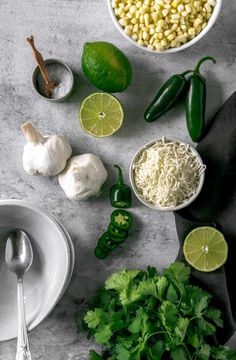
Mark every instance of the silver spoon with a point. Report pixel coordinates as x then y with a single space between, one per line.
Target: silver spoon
19 257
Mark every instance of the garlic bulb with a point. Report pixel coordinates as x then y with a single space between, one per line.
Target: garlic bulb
44 155
83 177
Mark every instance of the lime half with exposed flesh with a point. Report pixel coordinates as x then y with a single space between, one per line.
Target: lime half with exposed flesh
205 249
101 114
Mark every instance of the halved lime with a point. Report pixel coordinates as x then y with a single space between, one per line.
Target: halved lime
101 114
205 249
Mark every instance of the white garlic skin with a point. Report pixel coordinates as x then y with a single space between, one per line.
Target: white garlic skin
48 158
83 177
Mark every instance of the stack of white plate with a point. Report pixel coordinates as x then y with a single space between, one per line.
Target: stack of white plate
50 273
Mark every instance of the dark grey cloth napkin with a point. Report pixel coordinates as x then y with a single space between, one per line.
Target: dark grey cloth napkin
216 206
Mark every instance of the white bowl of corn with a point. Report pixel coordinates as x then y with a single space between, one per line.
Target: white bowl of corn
164 26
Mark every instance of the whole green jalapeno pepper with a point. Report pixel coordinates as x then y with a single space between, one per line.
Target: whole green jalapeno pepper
166 96
195 102
120 194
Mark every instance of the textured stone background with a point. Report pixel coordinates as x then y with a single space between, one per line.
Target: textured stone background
60 28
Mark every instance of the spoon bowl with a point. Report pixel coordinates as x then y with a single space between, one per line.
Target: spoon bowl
18 252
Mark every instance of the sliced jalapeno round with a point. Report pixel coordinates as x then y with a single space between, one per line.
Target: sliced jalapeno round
121 219
100 253
105 242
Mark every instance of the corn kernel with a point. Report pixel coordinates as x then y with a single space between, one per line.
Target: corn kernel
174 27
197 22
171 37
212 2
145 36
180 8
139 4
191 31
134 21
127 31
208 7
140 42
135 37
161 23
133 9
167 32
181 38
146 19
188 8
175 17
123 22
165 12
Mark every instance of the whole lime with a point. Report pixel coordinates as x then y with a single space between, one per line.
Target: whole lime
106 67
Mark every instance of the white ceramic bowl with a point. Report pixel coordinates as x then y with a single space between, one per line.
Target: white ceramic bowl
210 24
49 275
172 208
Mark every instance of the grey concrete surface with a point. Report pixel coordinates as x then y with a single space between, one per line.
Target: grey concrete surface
60 28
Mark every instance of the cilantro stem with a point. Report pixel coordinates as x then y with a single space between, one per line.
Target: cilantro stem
190 357
156 333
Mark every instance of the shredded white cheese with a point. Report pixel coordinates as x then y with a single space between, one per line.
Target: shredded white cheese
167 174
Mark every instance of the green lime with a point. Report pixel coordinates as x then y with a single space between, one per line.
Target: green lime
205 249
101 114
106 67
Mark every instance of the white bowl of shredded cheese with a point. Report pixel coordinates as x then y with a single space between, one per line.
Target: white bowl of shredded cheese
167 174
164 26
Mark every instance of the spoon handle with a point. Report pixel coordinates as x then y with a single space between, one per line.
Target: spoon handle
23 352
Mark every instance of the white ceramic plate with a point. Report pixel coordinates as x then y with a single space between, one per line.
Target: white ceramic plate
49 275
72 254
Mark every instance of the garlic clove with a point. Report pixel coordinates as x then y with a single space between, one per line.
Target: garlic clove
83 177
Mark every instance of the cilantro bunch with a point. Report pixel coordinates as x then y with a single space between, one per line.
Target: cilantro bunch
141 315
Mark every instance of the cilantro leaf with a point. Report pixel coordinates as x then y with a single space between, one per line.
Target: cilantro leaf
171 294
158 350
135 326
168 314
146 288
178 275
139 322
222 353
117 322
151 271
204 352
192 338
205 328
93 318
129 296
179 272
126 342
162 284
214 315
121 352
121 280
181 328
179 353
94 356
103 334
200 306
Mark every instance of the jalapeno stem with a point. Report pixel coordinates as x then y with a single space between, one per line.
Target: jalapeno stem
200 62
186 72
120 176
